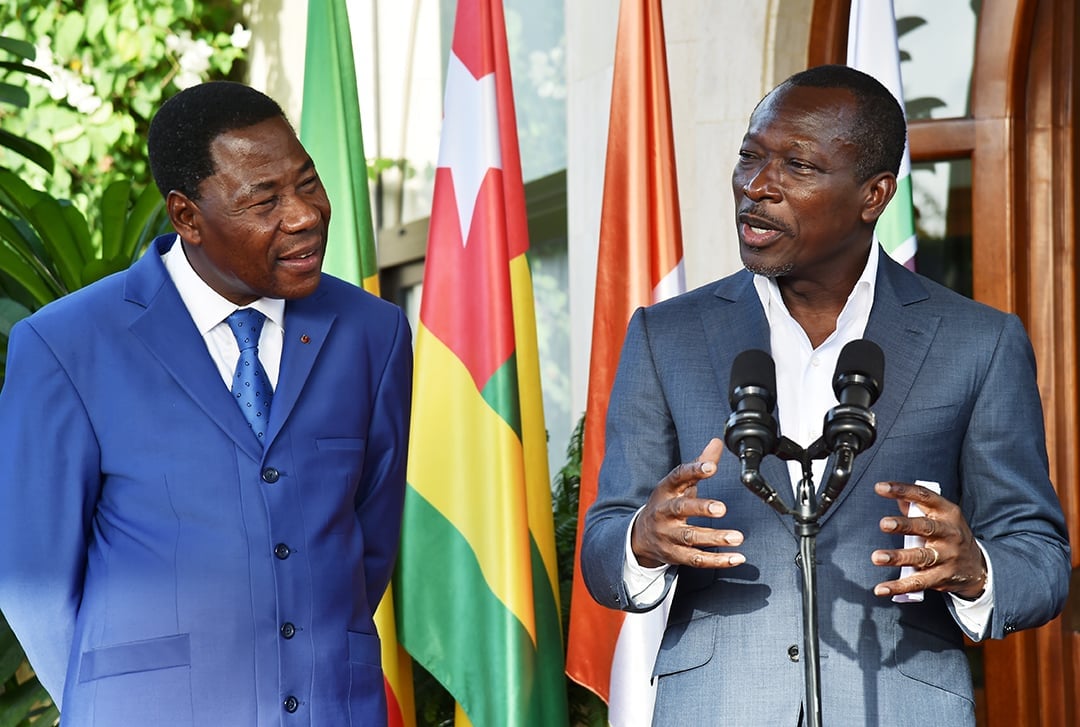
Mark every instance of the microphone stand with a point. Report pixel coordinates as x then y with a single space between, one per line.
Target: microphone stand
807 513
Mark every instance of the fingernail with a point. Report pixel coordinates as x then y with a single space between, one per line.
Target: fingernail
715 508
733 538
736 559
707 468
881 591
881 488
880 558
888 525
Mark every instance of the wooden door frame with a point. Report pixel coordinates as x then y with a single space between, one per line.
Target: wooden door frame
1021 139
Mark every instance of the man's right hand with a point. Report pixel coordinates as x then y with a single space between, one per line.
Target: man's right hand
661 533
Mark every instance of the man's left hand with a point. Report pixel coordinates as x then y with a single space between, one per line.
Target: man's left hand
950 560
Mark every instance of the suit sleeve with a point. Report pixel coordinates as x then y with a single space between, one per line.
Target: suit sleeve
49 485
640 448
381 496
1007 496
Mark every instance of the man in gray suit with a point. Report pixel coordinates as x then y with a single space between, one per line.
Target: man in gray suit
960 409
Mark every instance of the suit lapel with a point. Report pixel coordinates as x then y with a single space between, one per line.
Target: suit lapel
166 329
904 331
307 324
735 322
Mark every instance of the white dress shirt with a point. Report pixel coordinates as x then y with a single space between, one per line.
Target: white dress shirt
209 311
804 394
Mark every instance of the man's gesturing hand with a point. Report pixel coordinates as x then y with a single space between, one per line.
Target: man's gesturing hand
662 535
950 560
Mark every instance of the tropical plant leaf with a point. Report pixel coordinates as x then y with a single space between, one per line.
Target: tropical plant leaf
146 220
14 95
47 217
17 701
24 147
24 68
17 267
47 718
21 48
114 209
11 312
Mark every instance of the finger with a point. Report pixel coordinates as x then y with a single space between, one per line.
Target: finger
690 536
696 558
909 492
918 581
688 474
926 527
681 508
712 451
924 558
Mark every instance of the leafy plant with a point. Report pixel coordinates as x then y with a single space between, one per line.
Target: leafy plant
23 701
18 96
110 63
586 708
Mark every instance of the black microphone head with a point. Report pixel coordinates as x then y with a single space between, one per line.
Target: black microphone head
753 369
862 363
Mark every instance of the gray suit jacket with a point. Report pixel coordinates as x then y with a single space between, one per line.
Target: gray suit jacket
960 406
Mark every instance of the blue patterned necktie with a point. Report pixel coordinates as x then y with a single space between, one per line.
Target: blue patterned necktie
250 385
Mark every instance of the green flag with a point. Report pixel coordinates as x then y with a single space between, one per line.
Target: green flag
330 131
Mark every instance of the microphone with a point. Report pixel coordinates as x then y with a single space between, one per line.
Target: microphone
751 429
850 427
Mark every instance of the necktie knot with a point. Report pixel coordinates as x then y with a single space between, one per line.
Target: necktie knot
246 325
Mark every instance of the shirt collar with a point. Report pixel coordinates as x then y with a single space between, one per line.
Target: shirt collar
206 306
859 300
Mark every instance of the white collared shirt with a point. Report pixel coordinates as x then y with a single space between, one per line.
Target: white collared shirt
209 310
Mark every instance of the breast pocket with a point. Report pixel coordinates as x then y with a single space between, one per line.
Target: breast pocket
925 421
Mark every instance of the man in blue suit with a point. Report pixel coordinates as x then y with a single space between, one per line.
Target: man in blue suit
169 559
960 408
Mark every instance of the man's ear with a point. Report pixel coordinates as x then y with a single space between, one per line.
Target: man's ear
184 216
878 190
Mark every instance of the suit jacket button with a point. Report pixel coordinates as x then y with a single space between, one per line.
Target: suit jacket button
288 630
270 475
281 551
291 704
793 652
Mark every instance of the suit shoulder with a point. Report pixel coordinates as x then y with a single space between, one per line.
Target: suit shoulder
727 288
347 298
958 309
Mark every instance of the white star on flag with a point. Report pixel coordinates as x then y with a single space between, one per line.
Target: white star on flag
470 137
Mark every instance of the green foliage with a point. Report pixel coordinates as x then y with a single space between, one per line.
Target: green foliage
111 63
23 701
585 707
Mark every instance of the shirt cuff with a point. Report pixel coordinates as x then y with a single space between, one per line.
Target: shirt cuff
975 615
644 585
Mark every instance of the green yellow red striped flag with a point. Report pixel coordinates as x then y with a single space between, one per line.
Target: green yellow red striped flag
331 133
476 583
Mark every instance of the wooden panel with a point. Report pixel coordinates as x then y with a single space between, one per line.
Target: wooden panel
1022 143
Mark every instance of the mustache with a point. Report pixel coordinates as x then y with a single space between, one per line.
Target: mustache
757 213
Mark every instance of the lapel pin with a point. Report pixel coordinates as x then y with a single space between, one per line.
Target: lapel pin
305 338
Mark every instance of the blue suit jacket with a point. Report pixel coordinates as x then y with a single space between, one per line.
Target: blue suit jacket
960 406
160 568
